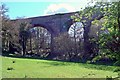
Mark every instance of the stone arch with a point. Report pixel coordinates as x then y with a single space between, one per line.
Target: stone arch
67 25
45 27
78 28
52 35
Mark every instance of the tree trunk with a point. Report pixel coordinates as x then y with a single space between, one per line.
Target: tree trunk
87 46
52 53
75 44
37 40
30 42
24 46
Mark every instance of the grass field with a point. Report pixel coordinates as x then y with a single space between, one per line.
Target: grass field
33 68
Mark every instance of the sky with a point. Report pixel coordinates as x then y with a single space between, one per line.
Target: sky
42 8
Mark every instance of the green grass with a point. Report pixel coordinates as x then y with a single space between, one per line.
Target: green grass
33 68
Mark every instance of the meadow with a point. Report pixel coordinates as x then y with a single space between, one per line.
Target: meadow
35 68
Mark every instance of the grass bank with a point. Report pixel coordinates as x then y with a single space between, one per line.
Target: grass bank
33 68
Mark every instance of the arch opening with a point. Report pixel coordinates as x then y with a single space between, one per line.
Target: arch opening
70 42
39 43
76 31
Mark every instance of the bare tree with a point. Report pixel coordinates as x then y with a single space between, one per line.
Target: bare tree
64 47
76 34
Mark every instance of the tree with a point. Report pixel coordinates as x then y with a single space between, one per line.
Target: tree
6 31
109 32
24 35
9 33
76 34
64 47
110 41
86 17
30 38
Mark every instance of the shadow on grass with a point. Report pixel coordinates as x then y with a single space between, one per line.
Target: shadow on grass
22 57
56 63
52 62
66 63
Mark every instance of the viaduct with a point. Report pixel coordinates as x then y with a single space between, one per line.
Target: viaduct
59 23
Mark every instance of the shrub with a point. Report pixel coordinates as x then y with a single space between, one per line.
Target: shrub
10 68
13 62
88 62
96 58
117 69
117 63
119 74
25 76
109 78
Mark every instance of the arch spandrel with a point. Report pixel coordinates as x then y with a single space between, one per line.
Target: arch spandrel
44 26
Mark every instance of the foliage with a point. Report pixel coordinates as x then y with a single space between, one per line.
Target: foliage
107 41
10 39
5 28
8 31
10 68
24 35
117 63
117 69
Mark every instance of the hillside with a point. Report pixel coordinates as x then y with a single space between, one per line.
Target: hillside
34 68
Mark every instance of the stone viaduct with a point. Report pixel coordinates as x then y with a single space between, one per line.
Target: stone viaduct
55 24
59 23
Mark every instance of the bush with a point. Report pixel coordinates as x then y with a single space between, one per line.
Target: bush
97 58
117 63
88 62
10 68
119 74
25 76
13 61
117 69
109 78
